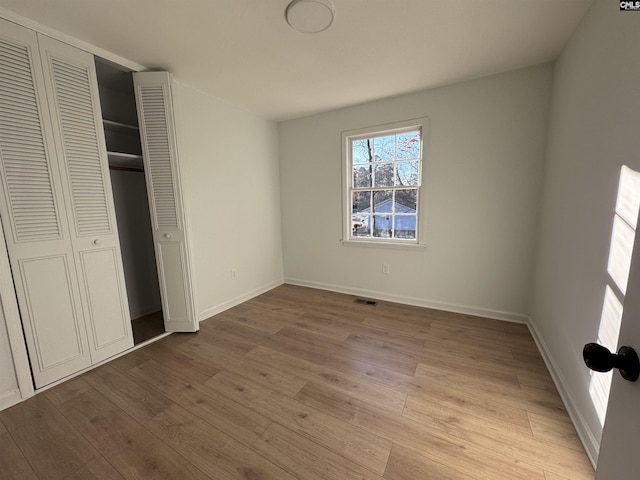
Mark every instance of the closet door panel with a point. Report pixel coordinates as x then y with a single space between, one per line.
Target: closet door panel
69 85
159 149
171 259
33 214
99 271
53 319
72 90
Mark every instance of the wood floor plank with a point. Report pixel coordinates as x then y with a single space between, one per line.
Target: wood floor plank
279 380
407 465
556 430
512 443
133 397
453 398
242 331
190 368
206 341
134 358
232 418
500 391
419 328
67 390
306 459
366 342
128 446
211 450
553 476
331 401
51 445
432 441
355 444
472 365
96 469
540 381
321 324
13 464
371 373
258 319
378 395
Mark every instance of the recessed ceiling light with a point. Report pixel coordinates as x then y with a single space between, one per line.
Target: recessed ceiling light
310 16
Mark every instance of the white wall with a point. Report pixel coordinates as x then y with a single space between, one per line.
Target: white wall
229 165
482 176
136 242
9 389
594 123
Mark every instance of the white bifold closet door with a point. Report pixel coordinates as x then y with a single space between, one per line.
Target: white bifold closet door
72 91
154 102
34 216
56 207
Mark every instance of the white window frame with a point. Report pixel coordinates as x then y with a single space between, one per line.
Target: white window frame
347 185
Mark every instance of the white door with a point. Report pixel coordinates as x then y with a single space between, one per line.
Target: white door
72 92
159 149
34 216
619 456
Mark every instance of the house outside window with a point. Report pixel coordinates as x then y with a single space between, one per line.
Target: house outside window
383 170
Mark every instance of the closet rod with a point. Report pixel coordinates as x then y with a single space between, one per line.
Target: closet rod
125 169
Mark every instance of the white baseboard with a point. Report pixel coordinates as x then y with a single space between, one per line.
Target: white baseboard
590 442
211 311
9 399
418 302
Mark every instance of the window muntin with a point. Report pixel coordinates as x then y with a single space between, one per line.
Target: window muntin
383 183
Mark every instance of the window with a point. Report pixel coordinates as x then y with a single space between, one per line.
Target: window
383 167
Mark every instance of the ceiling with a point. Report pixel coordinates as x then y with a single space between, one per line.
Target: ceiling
244 52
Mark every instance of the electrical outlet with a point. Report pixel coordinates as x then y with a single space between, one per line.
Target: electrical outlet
234 274
385 268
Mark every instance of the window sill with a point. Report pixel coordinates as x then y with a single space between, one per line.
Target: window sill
390 245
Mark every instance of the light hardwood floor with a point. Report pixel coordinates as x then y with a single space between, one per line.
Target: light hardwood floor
306 384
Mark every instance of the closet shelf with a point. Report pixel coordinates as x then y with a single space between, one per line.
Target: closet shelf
121 159
119 127
123 156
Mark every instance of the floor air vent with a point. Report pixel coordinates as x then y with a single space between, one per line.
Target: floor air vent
366 302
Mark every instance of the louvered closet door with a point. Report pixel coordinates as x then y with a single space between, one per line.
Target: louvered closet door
72 91
33 215
157 132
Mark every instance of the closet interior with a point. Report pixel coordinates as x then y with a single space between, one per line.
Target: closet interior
126 168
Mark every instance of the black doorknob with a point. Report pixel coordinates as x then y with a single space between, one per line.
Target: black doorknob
600 359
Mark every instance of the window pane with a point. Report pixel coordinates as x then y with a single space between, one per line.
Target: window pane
361 176
382 201
386 171
406 200
361 151
382 225
405 226
361 202
408 173
384 149
360 225
408 145
384 175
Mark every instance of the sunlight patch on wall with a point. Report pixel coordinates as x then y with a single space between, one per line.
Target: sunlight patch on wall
608 333
620 253
620 250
